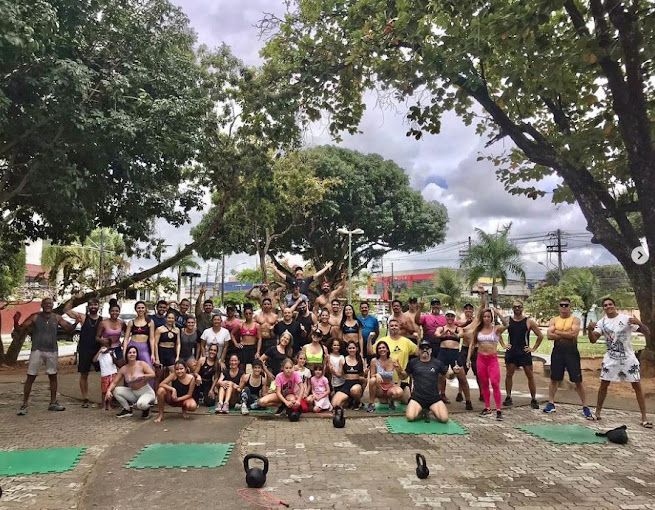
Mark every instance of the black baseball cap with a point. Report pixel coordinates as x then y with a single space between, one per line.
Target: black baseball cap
424 345
435 301
468 305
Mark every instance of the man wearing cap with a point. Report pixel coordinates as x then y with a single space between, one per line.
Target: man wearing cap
519 352
299 277
425 371
449 337
430 322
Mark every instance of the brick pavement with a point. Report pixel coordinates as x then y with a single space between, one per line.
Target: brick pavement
360 466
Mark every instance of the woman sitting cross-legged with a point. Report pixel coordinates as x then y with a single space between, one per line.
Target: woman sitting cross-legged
177 391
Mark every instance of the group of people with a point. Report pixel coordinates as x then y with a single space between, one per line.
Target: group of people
316 355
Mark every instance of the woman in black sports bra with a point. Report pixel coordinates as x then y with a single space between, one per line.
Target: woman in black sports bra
252 387
177 391
354 381
206 370
351 329
326 329
168 342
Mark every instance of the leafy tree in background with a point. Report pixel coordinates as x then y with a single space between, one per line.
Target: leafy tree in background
494 256
585 285
543 303
370 193
569 82
448 286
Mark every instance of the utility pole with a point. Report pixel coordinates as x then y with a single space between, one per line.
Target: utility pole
393 293
215 277
102 257
463 253
222 280
557 246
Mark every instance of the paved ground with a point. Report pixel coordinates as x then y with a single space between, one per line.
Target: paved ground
360 466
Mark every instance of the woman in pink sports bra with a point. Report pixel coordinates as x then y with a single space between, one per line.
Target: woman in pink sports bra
250 338
112 329
486 337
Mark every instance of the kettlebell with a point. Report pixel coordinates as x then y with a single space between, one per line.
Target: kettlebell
422 470
293 414
255 477
338 420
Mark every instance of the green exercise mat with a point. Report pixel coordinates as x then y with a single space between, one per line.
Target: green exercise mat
563 434
400 425
38 461
182 455
384 408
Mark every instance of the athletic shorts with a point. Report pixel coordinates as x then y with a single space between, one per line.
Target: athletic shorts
449 357
37 358
518 358
565 356
620 370
426 403
474 360
105 382
347 386
166 356
85 360
247 354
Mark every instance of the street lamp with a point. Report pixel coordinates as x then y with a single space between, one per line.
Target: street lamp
358 232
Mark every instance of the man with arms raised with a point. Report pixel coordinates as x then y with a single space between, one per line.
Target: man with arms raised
564 330
299 277
87 346
263 292
42 328
327 295
620 364
204 311
430 322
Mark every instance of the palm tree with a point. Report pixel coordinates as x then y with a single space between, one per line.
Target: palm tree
448 286
585 284
494 256
183 265
88 263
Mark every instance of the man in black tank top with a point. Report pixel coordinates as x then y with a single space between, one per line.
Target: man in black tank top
88 345
519 352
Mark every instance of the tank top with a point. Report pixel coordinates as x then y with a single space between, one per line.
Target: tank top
353 369
88 333
255 390
564 324
207 371
236 379
113 334
518 333
44 333
181 388
334 363
314 359
188 344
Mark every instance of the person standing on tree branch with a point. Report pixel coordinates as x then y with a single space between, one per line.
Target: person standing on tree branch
299 277
620 364
42 327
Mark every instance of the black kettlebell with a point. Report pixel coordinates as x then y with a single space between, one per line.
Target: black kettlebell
255 477
338 420
422 470
293 414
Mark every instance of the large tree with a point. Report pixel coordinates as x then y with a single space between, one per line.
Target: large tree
101 105
369 193
568 81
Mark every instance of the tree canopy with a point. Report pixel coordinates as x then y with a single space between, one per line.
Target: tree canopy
568 81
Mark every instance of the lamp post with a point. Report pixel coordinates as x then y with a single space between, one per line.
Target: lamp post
358 232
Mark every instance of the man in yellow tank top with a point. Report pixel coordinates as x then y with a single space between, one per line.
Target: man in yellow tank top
563 330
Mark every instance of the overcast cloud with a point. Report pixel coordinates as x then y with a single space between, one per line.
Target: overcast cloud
442 167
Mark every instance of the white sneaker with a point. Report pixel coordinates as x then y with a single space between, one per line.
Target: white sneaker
244 409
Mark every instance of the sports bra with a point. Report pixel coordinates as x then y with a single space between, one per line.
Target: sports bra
454 337
163 337
353 369
314 359
254 390
387 375
488 339
325 336
248 331
141 330
207 371
350 329
137 373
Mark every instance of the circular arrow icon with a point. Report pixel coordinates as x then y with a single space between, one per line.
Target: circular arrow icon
640 255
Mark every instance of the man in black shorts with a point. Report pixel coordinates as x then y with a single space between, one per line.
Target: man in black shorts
88 345
519 352
425 371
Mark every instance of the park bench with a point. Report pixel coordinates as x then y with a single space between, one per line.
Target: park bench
545 359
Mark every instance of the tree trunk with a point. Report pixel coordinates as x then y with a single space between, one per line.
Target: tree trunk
262 264
584 321
17 341
179 284
494 292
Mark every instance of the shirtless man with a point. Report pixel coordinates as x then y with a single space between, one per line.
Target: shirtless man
261 292
406 327
299 277
327 295
414 307
464 351
267 318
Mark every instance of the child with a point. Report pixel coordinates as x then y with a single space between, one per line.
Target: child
320 396
335 366
301 366
289 388
252 387
105 357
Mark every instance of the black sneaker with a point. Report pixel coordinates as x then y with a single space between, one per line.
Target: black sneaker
392 405
469 405
459 397
508 402
534 404
145 414
499 416
280 410
485 412
124 413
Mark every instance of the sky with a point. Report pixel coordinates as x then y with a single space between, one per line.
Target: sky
442 167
